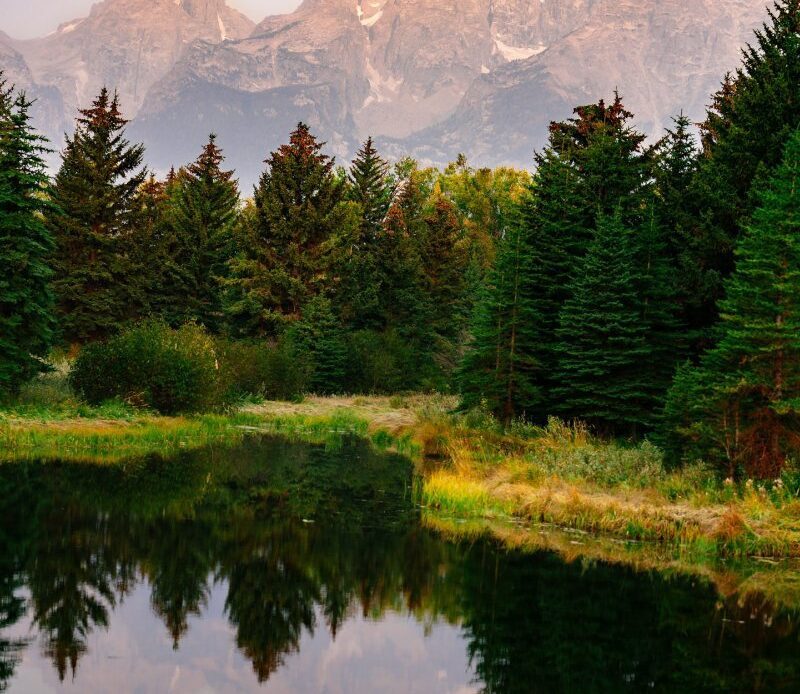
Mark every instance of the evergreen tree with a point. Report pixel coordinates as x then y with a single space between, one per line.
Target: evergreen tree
402 304
92 221
751 117
498 369
370 188
286 259
318 334
26 246
200 241
148 240
603 340
746 392
675 206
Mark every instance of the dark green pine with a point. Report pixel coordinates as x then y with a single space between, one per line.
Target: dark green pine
358 294
286 254
26 246
749 384
603 340
202 214
499 370
92 222
752 116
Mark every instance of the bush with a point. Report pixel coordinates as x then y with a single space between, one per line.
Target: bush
379 363
272 371
154 366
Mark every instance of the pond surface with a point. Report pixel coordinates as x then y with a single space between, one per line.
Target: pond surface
284 567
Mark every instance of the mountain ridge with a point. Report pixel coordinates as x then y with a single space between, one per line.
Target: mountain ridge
425 77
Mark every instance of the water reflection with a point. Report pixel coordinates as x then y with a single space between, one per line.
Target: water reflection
292 544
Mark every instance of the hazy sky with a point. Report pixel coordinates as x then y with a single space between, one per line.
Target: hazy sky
28 18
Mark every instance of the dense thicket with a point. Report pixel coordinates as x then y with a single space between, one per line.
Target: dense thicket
26 246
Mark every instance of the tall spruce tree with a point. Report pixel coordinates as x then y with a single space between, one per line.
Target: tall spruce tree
750 119
200 240
26 246
92 221
744 399
498 369
444 260
602 338
286 257
358 293
594 165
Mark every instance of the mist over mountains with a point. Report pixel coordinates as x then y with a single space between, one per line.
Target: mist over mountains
429 78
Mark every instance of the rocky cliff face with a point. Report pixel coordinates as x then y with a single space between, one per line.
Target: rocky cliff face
430 77
664 57
126 45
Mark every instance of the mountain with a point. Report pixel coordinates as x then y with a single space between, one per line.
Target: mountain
427 77
126 45
664 57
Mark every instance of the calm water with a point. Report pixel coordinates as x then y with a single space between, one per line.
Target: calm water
287 568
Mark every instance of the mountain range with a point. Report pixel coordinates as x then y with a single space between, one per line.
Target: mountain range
428 78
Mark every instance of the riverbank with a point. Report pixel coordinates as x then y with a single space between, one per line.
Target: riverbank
473 476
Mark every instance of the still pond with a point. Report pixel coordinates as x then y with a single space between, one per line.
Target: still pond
286 567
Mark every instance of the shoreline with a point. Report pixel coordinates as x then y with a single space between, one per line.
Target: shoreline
469 474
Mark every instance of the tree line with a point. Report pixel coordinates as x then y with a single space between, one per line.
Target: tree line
645 288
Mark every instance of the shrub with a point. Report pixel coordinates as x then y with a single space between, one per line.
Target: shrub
273 371
379 363
154 366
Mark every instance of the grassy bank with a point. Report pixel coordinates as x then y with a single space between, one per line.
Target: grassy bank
474 477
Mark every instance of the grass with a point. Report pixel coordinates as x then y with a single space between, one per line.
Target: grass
473 473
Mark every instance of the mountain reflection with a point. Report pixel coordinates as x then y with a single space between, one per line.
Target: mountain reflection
302 539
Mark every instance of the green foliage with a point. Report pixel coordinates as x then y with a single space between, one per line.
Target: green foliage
744 399
380 362
499 367
603 338
92 221
26 247
155 366
751 117
318 335
199 243
287 245
269 370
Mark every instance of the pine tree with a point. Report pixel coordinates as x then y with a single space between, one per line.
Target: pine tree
287 257
200 241
602 338
369 186
674 205
594 165
402 304
147 243
747 389
26 246
319 335
91 220
751 117
444 259
498 369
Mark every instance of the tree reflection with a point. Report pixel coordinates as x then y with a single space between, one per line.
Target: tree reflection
304 538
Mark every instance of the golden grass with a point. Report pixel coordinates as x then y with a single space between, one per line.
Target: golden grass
470 470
